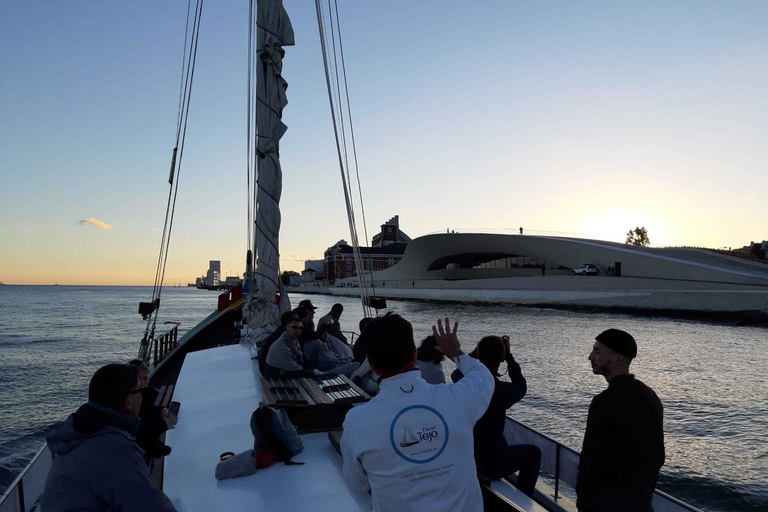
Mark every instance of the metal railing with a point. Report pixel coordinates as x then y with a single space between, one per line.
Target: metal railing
165 344
23 493
563 463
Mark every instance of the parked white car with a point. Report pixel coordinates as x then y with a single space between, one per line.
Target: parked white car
586 269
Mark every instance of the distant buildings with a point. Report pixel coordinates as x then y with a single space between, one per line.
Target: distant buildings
313 271
213 276
387 248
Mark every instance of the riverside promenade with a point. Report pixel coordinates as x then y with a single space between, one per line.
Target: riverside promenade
664 297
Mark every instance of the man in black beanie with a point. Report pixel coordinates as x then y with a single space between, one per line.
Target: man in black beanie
623 446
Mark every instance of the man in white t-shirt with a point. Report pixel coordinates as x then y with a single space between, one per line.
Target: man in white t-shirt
412 444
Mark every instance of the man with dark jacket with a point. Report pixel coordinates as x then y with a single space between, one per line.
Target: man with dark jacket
495 459
97 464
330 323
623 446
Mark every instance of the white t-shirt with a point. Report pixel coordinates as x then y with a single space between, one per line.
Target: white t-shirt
412 444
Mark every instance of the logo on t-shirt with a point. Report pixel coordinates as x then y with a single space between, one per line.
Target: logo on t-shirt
419 434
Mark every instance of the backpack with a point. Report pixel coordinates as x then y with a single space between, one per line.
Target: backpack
272 430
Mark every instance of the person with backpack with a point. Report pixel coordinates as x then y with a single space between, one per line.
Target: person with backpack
412 445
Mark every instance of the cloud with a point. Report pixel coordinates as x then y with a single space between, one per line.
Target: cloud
156 246
153 229
293 256
97 223
749 196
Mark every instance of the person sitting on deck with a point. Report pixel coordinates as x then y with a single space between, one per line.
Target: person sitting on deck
495 459
358 350
411 444
330 322
154 420
307 304
269 340
430 361
285 358
97 464
323 351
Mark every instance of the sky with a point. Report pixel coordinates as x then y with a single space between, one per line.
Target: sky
582 118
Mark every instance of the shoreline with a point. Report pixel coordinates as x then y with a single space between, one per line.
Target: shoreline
606 302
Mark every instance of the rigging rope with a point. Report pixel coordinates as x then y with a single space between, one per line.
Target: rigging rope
352 134
189 58
341 139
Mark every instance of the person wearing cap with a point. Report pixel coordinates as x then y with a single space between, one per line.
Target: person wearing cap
330 322
310 323
412 444
623 447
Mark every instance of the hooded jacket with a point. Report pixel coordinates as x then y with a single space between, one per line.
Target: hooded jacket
97 465
412 443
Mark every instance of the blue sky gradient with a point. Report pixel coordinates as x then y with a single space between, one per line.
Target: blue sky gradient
580 117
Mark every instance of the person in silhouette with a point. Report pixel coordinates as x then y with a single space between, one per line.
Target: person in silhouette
623 448
495 458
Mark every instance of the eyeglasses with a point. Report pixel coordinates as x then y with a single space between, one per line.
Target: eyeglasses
139 390
297 327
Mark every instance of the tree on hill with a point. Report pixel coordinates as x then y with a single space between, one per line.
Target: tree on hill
638 236
286 276
757 250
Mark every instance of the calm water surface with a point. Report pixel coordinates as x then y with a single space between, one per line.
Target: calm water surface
712 379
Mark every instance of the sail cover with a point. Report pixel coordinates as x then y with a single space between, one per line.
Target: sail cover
274 31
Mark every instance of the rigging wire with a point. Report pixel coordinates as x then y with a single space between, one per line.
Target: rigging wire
339 142
352 134
189 58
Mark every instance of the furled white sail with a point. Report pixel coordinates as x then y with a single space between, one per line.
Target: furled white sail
274 31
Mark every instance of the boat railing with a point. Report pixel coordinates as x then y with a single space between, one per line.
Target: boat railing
562 463
23 493
351 335
165 344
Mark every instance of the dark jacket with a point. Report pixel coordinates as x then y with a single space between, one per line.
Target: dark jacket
623 448
489 430
97 465
264 350
332 326
151 426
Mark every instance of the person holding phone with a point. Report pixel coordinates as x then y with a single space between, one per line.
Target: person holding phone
495 459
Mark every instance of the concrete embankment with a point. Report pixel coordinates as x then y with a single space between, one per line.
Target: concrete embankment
657 297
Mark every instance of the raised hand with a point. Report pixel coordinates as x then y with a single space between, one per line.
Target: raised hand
447 342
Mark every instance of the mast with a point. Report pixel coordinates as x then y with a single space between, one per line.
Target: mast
273 31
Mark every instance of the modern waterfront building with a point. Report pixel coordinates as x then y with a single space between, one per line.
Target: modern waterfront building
524 269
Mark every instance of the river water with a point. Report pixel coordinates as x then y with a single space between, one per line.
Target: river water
711 378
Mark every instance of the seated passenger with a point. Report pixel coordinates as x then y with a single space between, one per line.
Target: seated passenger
269 340
97 465
285 358
496 459
307 304
327 356
412 444
430 361
330 322
154 420
358 350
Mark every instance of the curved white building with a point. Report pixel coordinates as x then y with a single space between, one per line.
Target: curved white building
528 269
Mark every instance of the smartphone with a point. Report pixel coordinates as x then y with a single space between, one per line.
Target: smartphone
173 410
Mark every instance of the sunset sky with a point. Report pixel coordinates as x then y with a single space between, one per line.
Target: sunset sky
587 118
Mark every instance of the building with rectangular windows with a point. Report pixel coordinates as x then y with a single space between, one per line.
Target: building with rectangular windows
387 248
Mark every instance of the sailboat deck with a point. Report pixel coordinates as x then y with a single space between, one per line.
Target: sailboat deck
218 390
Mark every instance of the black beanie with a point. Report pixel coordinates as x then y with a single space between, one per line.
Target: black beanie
619 341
